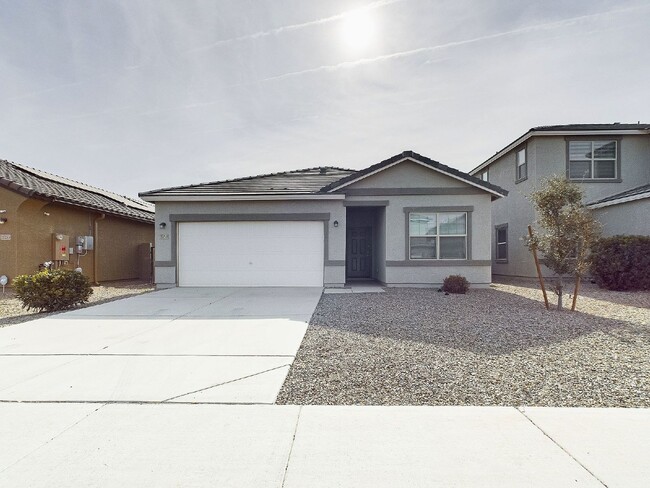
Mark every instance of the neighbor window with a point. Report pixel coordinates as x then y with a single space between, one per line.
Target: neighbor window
502 242
485 175
522 165
440 235
592 160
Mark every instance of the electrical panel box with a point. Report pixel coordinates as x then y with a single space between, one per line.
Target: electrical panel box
60 247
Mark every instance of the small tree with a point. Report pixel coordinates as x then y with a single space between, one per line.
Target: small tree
566 231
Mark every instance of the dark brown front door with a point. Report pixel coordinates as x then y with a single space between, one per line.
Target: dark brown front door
358 256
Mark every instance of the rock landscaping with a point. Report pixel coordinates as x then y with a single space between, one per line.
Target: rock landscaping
496 346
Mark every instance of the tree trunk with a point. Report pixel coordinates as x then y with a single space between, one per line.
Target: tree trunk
560 287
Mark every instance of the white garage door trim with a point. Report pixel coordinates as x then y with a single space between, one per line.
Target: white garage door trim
251 253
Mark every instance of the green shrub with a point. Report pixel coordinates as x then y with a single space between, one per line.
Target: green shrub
622 262
455 284
48 291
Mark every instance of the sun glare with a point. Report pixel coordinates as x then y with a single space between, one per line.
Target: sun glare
358 30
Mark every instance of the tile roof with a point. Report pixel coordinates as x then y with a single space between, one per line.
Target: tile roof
39 184
579 127
298 182
637 193
310 181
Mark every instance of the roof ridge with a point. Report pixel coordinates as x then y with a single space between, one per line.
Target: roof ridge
244 178
128 201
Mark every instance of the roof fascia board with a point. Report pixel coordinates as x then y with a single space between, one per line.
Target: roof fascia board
530 134
378 170
235 198
609 203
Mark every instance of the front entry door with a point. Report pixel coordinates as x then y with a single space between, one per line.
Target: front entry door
358 256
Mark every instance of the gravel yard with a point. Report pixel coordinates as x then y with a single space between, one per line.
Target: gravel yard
496 346
12 311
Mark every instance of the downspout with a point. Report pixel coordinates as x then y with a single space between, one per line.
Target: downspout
95 260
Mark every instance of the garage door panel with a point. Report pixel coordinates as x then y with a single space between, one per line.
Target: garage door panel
250 253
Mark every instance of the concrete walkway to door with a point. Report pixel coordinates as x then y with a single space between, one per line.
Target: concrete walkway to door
204 345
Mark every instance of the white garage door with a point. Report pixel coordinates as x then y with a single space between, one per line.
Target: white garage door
250 254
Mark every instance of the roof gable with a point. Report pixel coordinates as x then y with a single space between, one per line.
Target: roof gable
451 174
566 130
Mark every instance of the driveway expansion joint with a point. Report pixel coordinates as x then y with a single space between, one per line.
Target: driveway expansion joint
522 411
293 441
227 382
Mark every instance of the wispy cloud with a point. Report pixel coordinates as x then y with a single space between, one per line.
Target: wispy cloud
429 49
293 27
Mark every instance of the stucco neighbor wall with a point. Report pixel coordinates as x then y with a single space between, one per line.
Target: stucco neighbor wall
625 218
546 157
31 223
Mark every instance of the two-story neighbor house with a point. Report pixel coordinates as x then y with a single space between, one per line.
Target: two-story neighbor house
611 162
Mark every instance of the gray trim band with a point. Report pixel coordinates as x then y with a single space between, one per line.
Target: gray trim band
438 263
335 262
164 264
249 217
413 191
366 203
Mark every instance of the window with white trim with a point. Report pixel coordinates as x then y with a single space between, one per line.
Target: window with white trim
593 160
502 242
522 165
485 175
438 235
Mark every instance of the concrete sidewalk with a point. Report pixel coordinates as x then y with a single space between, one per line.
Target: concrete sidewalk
165 445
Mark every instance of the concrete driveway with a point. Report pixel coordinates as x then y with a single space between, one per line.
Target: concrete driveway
187 345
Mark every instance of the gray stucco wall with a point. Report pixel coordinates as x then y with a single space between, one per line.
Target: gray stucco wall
334 269
407 185
546 157
625 218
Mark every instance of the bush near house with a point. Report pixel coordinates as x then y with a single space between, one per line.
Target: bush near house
622 263
455 284
49 291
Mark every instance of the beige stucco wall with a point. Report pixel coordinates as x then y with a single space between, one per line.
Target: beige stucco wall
546 157
32 222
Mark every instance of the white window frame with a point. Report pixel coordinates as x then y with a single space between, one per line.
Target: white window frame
593 160
485 175
519 165
437 236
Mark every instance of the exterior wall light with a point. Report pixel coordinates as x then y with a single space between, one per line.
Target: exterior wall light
3 220
162 225
336 223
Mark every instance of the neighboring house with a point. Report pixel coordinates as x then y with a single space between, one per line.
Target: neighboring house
408 220
42 215
610 162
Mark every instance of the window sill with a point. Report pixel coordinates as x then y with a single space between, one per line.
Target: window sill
521 180
501 261
596 180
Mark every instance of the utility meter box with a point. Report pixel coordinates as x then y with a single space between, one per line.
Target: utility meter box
89 243
60 247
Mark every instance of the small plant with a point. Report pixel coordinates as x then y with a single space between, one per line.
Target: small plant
49 291
622 263
455 284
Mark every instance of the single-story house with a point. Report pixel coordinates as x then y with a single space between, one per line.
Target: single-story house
43 217
406 221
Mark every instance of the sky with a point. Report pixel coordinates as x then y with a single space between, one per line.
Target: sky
133 95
